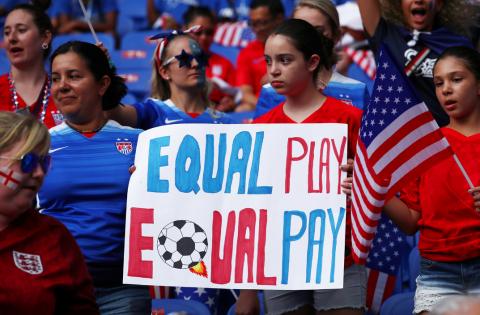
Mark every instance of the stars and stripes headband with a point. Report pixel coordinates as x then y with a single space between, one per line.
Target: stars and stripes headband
164 37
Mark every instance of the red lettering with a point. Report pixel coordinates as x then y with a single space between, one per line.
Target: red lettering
222 268
290 159
324 163
311 159
245 244
136 266
262 229
339 156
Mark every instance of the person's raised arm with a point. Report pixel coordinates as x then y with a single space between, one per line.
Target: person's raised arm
371 13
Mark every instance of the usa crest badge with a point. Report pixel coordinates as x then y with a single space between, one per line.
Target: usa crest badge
125 147
28 263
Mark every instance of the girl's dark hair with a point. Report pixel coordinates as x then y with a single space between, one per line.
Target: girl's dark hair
200 11
469 56
99 65
308 41
37 10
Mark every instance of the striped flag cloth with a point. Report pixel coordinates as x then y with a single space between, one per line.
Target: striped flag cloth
383 263
398 140
364 59
233 34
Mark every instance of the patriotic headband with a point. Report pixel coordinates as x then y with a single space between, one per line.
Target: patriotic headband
164 37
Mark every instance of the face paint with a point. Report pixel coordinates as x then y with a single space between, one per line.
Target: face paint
196 50
9 177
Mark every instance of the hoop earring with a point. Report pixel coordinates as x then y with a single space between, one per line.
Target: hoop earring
44 46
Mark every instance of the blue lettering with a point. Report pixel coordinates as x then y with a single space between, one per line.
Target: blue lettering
319 213
241 143
287 239
335 229
252 181
186 180
155 161
212 184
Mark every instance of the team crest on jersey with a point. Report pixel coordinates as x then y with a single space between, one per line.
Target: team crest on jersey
125 147
28 263
57 117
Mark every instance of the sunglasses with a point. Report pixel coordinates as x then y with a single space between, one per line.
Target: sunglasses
30 161
185 59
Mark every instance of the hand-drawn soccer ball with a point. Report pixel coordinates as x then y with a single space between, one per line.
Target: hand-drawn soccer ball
182 244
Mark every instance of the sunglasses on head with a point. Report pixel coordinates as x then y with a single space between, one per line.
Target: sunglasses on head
30 161
185 59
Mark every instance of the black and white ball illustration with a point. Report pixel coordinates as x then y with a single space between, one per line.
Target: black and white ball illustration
182 244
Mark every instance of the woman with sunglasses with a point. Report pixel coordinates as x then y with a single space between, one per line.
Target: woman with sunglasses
179 88
86 188
219 70
27 36
43 271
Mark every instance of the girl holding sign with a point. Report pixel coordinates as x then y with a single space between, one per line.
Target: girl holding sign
440 204
295 54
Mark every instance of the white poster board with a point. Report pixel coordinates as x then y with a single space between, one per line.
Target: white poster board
238 206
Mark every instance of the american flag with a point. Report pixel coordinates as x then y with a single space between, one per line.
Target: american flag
236 34
398 139
364 59
383 262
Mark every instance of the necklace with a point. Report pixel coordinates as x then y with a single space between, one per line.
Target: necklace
40 108
87 131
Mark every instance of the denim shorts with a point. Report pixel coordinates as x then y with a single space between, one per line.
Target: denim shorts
124 300
438 280
352 295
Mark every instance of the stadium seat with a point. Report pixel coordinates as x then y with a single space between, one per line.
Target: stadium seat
4 62
398 304
139 41
170 306
414 267
132 16
129 99
230 53
107 39
138 81
131 59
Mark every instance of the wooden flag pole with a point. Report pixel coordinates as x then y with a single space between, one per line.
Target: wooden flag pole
462 169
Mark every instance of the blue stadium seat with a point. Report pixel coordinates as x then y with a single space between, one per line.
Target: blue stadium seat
414 267
398 304
231 53
107 39
132 16
4 62
177 306
138 81
139 41
131 59
129 99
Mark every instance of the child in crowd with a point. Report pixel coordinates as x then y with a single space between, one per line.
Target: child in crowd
295 54
417 34
440 204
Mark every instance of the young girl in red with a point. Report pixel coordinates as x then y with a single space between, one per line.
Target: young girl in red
440 204
295 54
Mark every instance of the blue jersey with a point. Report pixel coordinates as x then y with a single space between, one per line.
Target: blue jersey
96 9
240 9
153 113
340 87
86 189
177 8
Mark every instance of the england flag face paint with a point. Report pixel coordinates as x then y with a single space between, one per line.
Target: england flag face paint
10 178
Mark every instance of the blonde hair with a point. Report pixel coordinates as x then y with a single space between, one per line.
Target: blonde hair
159 87
457 15
16 128
327 8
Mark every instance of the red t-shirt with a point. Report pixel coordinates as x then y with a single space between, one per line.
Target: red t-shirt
42 269
220 67
251 66
449 225
52 115
332 111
